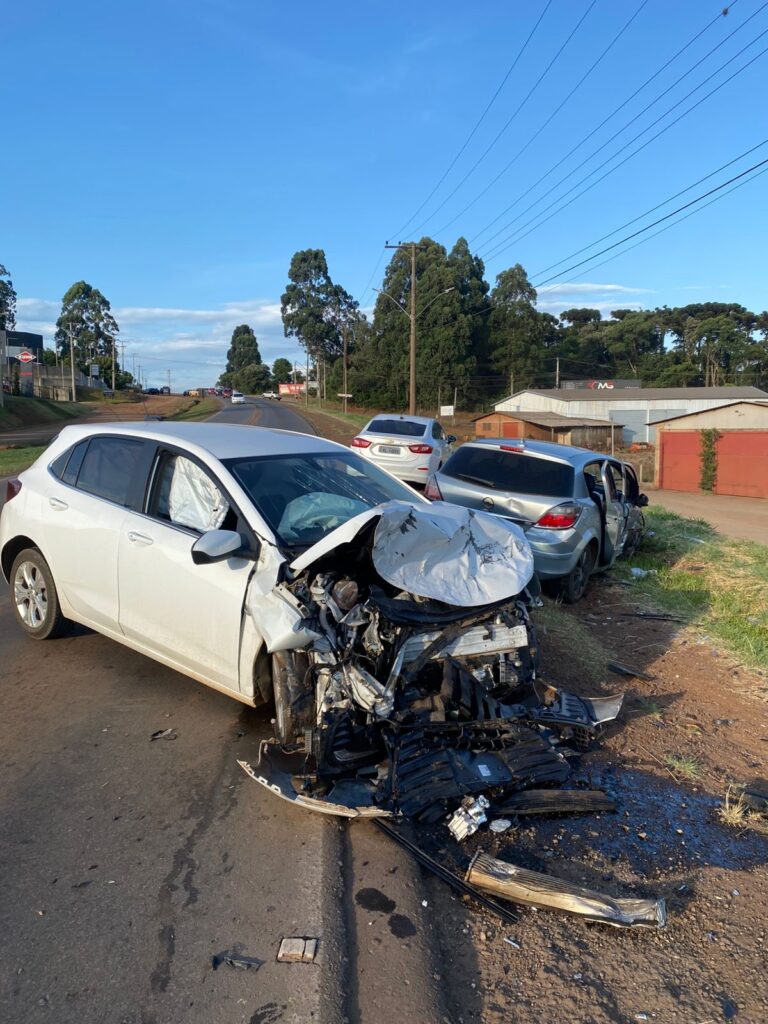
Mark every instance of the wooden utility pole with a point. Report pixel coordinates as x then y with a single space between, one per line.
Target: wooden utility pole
72 360
413 246
344 365
557 372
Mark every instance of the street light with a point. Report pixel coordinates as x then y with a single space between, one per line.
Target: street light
413 316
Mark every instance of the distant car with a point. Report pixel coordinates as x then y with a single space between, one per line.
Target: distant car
165 390
271 395
226 392
237 398
410 447
151 391
580 510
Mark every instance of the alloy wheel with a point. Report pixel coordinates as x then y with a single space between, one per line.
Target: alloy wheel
31 595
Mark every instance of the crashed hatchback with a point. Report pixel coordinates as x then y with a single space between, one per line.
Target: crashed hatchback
393 635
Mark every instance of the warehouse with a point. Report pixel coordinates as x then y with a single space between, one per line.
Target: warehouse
740 450
637 409
549 426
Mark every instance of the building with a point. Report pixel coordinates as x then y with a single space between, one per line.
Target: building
549 426
637 409
741 449
17 342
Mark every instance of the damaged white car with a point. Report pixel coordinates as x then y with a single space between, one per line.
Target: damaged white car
394 635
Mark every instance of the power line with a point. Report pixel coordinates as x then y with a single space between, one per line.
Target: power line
642 241
480 120
520 232
551 117
519 107
610 117
646 214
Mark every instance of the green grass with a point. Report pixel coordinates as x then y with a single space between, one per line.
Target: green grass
28 412
14 460
355 419
716 584
568 637
685 765
199 409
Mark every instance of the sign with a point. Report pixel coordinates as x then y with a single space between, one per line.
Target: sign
446 410
94 369
340 395
290 389
601 385
26 357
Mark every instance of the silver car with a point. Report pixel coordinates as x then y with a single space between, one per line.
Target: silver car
409 447
580 510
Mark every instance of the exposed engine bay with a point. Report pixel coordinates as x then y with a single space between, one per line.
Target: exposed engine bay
404 664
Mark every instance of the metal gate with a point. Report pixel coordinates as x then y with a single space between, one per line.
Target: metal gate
742 462
679 460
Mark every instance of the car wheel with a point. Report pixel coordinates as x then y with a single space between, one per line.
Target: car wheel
294 704
35 601
574 585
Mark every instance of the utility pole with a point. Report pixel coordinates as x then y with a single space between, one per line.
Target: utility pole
557 372
413 246
344 366
114 357
306 383
169 381
72 360
511 383
2 368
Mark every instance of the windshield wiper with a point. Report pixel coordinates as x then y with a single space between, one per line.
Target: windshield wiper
475 480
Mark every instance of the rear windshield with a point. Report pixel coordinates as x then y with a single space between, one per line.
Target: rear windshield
403 428
510 471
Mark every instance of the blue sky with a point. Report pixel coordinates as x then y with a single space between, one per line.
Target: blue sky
176 153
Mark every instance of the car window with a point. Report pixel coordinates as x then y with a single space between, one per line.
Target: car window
511 471
185 495
304 497
437 432
400 428
67 465
612 472
109 468
593 478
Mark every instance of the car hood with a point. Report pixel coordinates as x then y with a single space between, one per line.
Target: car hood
440 551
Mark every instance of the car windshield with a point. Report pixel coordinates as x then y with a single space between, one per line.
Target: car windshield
511 471
304 497
401 428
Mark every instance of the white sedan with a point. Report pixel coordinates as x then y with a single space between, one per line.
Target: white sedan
409 447
270 564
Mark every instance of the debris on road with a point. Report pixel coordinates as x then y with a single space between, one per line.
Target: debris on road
631 673
297 950
164 734
536 890
557 801
469 817
500 825
232 958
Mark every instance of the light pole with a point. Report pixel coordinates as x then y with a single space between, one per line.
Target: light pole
413 316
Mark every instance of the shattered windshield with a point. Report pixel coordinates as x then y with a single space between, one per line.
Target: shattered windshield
304 497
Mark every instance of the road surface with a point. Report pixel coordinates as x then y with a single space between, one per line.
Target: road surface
127 863
735 517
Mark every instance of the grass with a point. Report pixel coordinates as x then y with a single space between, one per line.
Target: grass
199 409
714 583
14 460
27 412
686 765
567 637
735 813
335 409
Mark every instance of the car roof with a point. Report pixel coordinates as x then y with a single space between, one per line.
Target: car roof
222 440
401 416
564 452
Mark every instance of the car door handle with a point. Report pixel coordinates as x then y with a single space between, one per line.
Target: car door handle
139 538
58 504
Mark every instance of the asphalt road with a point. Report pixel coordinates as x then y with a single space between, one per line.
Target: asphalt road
127 863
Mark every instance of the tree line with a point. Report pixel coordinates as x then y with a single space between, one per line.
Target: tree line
484 342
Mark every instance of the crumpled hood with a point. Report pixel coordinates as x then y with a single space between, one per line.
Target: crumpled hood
440 551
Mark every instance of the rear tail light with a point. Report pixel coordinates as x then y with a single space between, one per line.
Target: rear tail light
561 517
360 442
12 488
432 491
420 449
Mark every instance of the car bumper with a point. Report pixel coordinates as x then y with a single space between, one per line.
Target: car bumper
555 552
412 471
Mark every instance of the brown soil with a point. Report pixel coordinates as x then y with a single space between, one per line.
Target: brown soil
146 406
665 839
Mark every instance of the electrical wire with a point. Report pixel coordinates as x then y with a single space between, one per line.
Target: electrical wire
647 213
610 117
513 65
551 117
520 232
519 107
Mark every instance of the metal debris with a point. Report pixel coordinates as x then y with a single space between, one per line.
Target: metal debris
235 959
163 734
556 801
469 817
500 825
627 670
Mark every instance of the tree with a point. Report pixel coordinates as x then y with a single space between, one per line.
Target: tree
87 315
243 349
253 379
514 326
7 301
306 305
282 370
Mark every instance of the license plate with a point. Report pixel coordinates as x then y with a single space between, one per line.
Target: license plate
388 449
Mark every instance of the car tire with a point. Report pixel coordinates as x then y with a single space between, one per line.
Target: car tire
294 705
574 585
34 598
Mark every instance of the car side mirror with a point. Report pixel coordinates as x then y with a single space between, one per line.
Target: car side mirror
450 438
216 545
642 500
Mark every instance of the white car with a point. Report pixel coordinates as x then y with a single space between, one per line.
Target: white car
271 395
237 398
269 564
409 447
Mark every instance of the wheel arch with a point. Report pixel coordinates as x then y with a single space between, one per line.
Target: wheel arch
11 549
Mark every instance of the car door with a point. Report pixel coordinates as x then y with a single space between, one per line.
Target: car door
190 614
85 508
615 513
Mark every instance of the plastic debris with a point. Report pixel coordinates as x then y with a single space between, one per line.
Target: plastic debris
232 958
164 734
500 825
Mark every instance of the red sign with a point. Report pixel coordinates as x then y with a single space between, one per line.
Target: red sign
26 357
290 389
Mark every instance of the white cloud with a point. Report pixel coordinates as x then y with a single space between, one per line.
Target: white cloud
591 295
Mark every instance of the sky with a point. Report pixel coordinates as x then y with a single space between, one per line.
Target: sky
175 154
